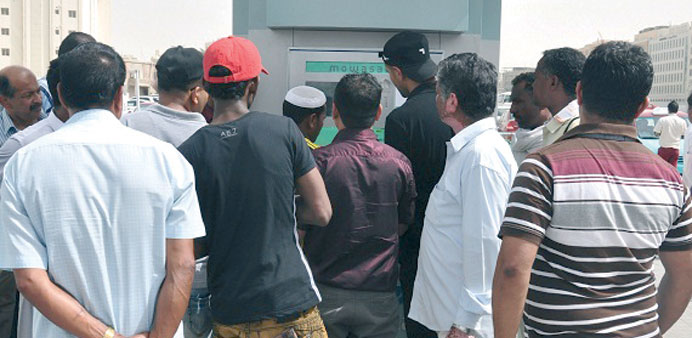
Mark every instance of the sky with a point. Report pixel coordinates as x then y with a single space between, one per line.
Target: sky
529 27
140 27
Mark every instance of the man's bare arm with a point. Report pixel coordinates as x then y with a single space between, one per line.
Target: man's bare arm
175 290
511 284
313 206
676 289
57 305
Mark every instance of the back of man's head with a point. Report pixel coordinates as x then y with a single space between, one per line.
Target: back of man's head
90 76
53 78
230 65
473 80
616 79
73 40
689 103
565 63
357 98
673 107
526 78
179 69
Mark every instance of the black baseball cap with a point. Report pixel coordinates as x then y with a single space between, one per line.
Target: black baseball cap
410 51
180 65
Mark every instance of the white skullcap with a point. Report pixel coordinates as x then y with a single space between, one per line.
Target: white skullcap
306 97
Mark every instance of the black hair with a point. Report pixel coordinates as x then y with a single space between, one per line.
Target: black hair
474 82
357 97
673 107
565 63
53 78
232 91
527 77
6 88
90 76
298 114
617 78
73 40
689 102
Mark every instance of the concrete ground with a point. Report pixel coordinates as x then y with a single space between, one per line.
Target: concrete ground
683 327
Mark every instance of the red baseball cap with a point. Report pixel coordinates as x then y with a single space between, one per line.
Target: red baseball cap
238 55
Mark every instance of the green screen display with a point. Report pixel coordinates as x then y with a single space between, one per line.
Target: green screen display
344 67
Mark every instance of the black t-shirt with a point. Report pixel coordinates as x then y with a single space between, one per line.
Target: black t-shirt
245 172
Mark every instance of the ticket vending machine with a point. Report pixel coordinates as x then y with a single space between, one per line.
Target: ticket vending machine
323 68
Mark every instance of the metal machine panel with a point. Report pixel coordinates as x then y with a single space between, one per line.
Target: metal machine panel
323 68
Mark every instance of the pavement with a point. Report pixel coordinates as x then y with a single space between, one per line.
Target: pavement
683 327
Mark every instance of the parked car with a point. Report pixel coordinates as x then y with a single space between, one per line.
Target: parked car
143 102
645 124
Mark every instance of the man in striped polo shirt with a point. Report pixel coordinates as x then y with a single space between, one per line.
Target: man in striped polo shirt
588 215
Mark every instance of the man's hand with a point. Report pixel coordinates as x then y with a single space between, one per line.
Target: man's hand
454 332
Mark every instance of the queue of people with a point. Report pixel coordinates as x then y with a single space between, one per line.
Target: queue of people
131 226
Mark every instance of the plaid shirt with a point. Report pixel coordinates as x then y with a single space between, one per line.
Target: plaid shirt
7 127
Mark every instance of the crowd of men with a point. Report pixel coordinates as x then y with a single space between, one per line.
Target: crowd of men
117 225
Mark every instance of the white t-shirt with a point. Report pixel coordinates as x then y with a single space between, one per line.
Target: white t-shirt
671 128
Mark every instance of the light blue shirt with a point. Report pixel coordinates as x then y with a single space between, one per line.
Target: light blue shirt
459 245
7 127
93 203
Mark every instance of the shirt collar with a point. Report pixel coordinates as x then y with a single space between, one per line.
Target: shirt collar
569 111
6 123
53 121
469 133
423 87
602 128
92 114
355 134
177 114
311 144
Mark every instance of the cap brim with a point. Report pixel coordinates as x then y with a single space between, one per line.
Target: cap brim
420 73
265 71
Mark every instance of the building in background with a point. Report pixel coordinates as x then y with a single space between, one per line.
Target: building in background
670 48
508 74
31 30
586 50
142 73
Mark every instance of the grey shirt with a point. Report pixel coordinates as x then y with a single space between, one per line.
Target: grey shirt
172 126
166 124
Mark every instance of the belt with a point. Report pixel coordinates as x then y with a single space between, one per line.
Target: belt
293 316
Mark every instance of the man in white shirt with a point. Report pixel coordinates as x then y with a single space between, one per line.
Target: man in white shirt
459 245
687 172
557 74
96 219
528 115
670 129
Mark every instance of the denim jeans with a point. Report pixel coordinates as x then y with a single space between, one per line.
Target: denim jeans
197 322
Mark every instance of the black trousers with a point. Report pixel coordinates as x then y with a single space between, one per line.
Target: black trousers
409 246
8 305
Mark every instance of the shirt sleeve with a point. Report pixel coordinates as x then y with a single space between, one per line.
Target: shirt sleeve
530 207
21 245
484 194
395 136
6 151
303 161
407 201
658 126
184 220
679 235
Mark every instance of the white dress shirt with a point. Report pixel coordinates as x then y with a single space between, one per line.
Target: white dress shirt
526 141
671 128
562 122
459 245
93 204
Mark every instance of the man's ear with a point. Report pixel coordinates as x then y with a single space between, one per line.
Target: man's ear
60 96
451 104
313 119
117 102
642 107
580 99
335 112
379 113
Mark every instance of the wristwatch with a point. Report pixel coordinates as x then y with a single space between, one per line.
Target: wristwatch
110 333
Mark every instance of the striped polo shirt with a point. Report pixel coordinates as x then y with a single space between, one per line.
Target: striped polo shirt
600 206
